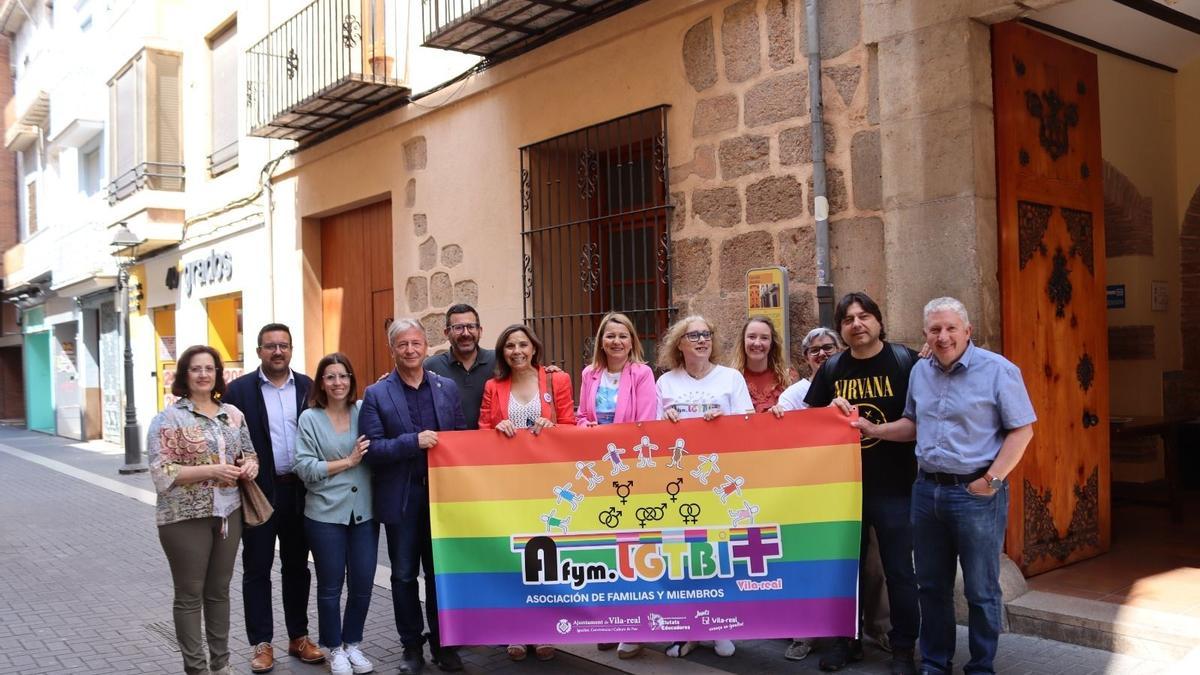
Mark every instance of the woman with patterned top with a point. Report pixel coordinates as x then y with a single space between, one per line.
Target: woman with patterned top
522 395
198 450
759 358
617 387
337 511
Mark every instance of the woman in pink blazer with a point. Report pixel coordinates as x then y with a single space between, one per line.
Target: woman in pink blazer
522 395
618 386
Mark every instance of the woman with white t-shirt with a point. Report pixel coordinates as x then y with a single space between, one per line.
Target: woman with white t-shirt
694 385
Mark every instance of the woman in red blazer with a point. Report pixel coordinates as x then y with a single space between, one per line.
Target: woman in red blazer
522 395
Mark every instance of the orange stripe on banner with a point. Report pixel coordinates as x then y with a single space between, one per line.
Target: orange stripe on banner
729 434
760 469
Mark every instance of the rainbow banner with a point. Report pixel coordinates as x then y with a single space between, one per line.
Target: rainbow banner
743 527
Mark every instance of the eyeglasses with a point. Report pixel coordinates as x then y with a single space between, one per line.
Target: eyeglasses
698 335
460 328
336 377
816 351
276 347
202 370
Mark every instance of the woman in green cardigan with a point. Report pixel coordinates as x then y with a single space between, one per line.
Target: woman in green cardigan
337 511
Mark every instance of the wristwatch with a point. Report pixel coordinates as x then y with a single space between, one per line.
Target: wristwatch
993 482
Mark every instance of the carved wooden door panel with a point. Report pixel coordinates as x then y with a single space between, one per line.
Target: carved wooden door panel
1051 216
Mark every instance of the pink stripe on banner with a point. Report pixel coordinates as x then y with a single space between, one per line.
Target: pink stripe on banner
633 623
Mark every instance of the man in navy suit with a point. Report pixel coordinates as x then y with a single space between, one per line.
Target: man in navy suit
402 415
272 398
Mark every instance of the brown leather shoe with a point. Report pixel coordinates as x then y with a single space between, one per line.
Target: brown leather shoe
264 658
304 649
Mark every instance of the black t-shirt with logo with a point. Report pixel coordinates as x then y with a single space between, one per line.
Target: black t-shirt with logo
879 387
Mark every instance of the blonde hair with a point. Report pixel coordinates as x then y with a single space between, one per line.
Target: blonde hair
669 356
599 358
774 355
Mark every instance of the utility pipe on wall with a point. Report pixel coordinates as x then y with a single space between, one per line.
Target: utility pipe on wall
820 200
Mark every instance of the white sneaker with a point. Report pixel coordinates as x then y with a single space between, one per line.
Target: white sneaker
339 663
723 647
680 649
359 662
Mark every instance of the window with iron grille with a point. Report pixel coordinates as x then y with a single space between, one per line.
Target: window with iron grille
595 232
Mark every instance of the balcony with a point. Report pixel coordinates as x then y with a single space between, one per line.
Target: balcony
500 28
329 67
147 175
23 116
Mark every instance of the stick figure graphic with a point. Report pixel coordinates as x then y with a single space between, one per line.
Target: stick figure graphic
744 514
564 493
587 471
677 453
730 486
552 521
648 448
613 454
707 466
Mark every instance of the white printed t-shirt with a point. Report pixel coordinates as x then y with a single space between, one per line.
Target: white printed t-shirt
723 389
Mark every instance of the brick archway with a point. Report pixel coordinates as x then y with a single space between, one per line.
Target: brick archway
1189 274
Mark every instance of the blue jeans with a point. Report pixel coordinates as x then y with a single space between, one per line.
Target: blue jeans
410 548
952 525
338 549
890 516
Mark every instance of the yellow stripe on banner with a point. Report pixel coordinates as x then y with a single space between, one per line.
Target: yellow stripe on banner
764 468
782 505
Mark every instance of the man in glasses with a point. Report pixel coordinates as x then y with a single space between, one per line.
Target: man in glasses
873 375
272 398
466 363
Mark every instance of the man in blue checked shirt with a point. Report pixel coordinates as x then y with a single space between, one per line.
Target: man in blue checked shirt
972 419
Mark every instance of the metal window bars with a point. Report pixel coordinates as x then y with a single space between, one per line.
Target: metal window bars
595 231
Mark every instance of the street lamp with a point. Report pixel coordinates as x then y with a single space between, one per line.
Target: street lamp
125 239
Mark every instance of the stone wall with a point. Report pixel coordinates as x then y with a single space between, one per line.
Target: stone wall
431 288
743 195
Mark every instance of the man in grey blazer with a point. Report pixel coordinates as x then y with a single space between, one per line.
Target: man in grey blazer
402 415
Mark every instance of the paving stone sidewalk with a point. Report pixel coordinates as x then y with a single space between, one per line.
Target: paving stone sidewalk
84 587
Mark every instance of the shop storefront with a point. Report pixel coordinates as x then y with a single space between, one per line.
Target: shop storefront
212 293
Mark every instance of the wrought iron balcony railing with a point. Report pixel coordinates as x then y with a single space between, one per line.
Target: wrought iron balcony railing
496 28
332 65
147 175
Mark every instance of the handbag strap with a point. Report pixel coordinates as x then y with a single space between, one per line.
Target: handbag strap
550 391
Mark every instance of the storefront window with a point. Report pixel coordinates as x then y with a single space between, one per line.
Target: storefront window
225 331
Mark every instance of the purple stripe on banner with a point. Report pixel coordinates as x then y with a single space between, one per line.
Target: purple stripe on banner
649 622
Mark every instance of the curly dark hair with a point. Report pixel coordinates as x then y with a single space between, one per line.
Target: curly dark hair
180 386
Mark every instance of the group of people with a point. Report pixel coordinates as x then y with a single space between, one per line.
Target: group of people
337 469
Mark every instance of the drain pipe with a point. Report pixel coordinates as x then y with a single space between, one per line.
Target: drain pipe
820 200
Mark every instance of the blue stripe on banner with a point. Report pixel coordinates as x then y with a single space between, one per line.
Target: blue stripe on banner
810 579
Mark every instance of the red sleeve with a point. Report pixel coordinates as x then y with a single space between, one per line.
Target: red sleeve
564 404
488 409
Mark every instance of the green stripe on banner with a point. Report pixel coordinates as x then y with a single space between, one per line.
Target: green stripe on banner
806 541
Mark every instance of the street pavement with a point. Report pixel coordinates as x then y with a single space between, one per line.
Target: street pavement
84 588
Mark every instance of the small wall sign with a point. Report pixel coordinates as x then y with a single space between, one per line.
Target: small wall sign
210 270
1116 296
1158 296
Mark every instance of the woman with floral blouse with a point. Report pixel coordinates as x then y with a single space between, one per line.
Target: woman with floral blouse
198 449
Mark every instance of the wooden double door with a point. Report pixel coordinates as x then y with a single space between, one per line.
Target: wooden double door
356 288
1051 216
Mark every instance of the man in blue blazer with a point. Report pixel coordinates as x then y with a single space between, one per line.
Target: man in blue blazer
272 398
402 415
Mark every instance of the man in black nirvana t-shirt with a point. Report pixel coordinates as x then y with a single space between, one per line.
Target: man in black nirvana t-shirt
873 375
